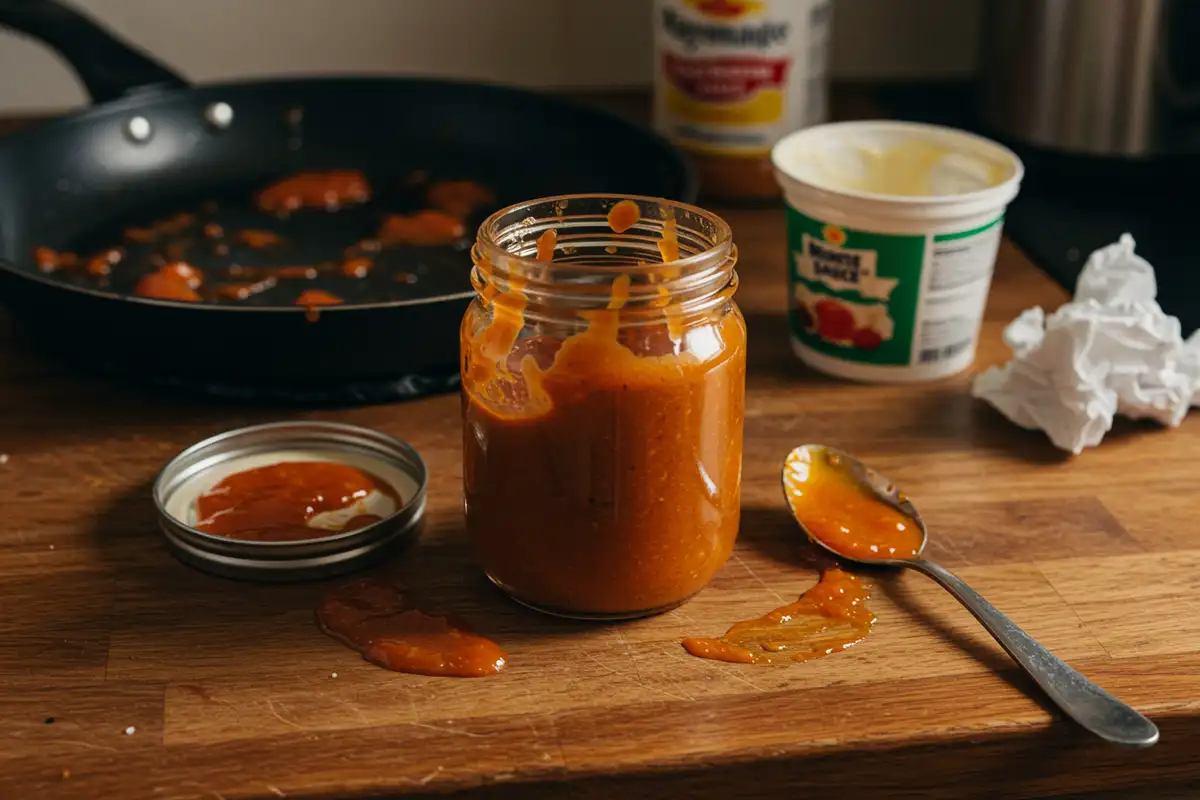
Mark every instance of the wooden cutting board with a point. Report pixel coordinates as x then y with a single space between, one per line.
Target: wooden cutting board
126 674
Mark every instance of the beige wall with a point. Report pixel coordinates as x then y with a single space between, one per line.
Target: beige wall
598 43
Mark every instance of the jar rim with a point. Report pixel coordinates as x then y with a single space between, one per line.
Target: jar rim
489 229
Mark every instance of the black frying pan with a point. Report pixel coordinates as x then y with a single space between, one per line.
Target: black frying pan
153 145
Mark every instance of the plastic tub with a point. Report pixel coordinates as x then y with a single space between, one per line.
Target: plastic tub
893 229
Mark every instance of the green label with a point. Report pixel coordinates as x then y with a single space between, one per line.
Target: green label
853 294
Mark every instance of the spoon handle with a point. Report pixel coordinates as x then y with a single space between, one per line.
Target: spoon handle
1082 700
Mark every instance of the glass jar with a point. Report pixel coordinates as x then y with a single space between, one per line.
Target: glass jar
603 401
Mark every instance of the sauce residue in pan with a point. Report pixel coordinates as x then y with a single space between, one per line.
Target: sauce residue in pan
279 502
170 226
259 239
428 228
328 189
174 281
313 299
828 618
245 289
371 616
241 260
357 267
459 198
50 260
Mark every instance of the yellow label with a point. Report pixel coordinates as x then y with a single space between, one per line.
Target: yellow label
733 76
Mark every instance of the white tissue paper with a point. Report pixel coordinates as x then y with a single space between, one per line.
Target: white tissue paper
1111 350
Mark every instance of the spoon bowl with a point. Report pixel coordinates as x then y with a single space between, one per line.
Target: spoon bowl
1083 701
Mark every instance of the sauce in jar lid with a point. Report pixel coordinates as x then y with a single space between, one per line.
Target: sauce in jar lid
291 500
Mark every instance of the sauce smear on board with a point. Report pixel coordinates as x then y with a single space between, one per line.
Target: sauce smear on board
370 616
275 503
828 618
835 509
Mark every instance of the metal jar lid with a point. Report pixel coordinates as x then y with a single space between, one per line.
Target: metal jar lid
202 465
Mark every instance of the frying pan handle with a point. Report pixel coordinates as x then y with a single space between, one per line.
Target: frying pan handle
107 66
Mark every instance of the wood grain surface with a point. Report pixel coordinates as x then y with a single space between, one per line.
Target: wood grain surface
234 693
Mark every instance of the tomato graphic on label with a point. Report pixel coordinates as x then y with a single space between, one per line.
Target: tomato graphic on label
835 322
867 339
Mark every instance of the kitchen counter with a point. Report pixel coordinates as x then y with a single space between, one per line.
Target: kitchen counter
124 673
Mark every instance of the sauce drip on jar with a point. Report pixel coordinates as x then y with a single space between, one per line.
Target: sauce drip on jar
827 618
371 616
838 511
278 502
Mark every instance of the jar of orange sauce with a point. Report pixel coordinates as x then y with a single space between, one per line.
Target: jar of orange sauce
603 374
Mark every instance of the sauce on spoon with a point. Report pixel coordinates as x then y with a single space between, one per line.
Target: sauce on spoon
837 510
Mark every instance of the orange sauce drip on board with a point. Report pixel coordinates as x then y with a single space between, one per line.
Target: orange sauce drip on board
426 228
459 198
833 507
331 189
174 281
827 618
370 615
259 239
275 503
623 216
655 507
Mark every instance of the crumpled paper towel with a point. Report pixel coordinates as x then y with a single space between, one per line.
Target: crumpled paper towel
1111 350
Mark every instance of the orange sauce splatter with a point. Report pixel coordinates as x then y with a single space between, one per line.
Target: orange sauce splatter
173 281
459 198
244 290
164 227
426 228
827 619
849 519
50 260
329 189
101 264
371 616
259 239
357 267
623 216
302 272
313 299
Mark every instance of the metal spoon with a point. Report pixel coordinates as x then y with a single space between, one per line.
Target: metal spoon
1083 701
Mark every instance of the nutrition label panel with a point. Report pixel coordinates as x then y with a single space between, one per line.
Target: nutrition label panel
959 275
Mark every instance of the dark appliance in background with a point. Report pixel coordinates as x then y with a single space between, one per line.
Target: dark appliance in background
1101 100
